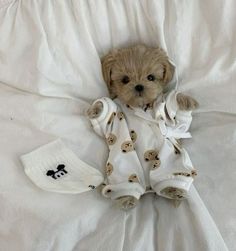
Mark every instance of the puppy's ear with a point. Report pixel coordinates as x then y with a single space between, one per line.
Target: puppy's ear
107 64
168 72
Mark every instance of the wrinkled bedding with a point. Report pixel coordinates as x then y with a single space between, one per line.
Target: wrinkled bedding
50 72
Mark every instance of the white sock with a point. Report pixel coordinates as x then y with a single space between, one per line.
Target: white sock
54 167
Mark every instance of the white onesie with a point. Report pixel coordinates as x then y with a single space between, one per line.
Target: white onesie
144 151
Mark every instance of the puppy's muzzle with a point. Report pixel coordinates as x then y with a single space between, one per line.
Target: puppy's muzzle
139 88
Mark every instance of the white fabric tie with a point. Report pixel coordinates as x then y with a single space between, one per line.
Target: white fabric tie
178 131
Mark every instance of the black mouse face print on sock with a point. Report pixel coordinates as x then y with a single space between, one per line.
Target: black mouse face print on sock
60 172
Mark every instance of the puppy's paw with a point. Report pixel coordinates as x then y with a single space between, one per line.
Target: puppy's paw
95 110
127 202
173 193
186 103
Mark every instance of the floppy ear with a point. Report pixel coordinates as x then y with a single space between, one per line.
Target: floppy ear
168 72
107 64
167 69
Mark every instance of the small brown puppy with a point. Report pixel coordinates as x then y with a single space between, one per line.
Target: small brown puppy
137 76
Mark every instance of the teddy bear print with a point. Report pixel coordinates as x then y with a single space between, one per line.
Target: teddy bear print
133 178
133 135
107 192
155 164
127 146
120 115
109 169
111 119
173 192
182 174
111 139
194 173
151 155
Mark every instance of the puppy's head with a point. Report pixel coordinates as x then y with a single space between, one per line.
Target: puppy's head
137 75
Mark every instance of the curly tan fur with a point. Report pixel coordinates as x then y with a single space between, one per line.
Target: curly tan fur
137 63
186 103
95 110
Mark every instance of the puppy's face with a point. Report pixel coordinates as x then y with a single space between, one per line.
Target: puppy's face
137 75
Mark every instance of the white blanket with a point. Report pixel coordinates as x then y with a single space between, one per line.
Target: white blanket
49 73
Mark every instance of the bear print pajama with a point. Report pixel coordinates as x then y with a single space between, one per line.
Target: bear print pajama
144 149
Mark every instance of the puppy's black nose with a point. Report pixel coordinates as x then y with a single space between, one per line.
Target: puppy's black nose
139 88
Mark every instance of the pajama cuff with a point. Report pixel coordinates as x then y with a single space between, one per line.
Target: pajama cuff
183 183
175 114
108 108
123 189
172 105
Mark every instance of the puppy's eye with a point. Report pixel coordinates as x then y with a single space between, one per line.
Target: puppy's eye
151 77
125 80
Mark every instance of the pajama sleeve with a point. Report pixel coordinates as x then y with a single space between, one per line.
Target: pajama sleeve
102 123
177 121
176 170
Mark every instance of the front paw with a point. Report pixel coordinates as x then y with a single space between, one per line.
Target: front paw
127 202
173 193
95 110
186 103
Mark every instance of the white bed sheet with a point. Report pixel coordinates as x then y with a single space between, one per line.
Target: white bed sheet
50 71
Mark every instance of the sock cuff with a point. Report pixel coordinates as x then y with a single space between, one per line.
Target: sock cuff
45 154
50 153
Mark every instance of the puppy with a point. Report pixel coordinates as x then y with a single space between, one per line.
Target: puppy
137 76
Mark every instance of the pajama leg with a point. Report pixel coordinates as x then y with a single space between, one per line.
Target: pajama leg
174 176
123 169
125 177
